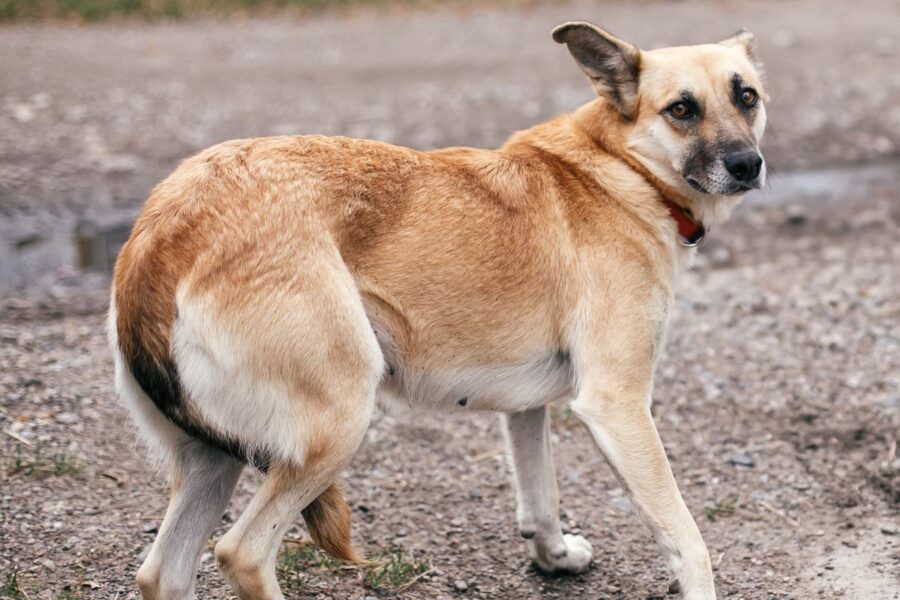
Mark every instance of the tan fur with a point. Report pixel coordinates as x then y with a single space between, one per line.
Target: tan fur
328 520
462 259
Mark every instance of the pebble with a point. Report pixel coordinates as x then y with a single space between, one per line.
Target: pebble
151 528
67 418
624 504
460 586
740 459
23 113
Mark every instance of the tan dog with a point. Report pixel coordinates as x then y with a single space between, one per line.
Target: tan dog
272 287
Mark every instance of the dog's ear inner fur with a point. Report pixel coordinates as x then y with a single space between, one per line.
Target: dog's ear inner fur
746 41
612 65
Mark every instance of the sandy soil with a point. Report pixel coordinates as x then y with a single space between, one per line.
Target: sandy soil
784 352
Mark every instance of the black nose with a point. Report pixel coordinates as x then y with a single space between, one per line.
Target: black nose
744 165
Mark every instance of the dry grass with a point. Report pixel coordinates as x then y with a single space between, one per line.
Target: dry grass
302 567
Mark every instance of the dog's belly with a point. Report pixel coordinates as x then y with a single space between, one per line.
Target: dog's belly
503 388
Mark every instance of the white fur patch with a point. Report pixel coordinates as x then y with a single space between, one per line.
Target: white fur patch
225 392
159 435
504 388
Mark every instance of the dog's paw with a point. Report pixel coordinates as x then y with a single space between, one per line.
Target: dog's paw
571 554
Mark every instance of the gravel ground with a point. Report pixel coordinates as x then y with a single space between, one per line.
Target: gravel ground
784 355
778 398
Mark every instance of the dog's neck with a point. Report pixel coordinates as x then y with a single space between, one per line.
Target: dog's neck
597 134
606 127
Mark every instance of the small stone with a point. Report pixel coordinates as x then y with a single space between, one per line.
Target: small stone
475 494
151 528
721 257
460 586
67 418
23 113
739 459
796 216
624 504
889 529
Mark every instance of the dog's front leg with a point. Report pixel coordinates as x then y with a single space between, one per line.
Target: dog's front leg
617 413
528 434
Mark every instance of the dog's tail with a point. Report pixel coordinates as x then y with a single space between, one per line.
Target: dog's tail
328 520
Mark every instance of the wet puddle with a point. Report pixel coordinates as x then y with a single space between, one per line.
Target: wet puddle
827 184
94 248
85 248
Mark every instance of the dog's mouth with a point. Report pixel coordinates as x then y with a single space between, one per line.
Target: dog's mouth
695 184
736 188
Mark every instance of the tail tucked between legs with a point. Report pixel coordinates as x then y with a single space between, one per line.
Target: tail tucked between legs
328 520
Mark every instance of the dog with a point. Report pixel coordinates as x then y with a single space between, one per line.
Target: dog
272 288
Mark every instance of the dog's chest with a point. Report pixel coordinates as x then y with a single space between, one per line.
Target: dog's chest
504 388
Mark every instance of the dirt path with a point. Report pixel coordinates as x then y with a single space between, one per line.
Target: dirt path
784 350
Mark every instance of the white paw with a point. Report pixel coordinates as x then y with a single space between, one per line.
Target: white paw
570 554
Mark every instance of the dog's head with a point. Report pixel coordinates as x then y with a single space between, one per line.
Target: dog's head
693 115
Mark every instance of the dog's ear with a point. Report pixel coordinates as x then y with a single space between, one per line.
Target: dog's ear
745 40
612 65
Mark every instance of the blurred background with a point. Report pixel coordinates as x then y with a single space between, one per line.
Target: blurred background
779 395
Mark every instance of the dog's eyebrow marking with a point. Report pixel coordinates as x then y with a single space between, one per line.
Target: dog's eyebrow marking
687 96
737 87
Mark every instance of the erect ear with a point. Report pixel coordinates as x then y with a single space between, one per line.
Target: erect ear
612 65
745 40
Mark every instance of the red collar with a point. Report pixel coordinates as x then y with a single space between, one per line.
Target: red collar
692 231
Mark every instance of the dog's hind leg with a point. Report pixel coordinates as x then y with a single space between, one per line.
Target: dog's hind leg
247 553
528 434
202 483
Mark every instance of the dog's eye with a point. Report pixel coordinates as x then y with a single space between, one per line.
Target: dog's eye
681 110
749 97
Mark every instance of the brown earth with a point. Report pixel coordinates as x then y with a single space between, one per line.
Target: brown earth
784 348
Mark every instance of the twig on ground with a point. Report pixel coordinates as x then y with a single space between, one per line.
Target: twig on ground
484 455
17 437
777 512
414 579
